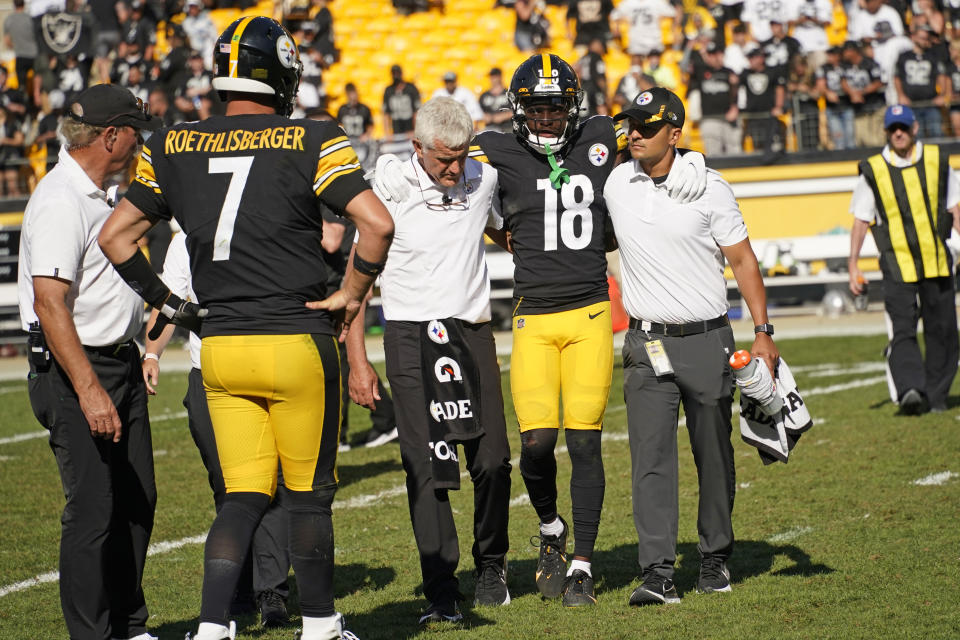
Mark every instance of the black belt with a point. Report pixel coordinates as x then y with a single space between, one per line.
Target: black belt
679 330
110 350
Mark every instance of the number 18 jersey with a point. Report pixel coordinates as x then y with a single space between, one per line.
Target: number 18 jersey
557 235
246 190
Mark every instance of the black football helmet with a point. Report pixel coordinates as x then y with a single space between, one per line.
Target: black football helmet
545 79
257 55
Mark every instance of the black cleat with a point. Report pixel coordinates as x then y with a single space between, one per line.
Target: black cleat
578 590
552 563
491 588
444 611
714 576
913 403
655 589
273 610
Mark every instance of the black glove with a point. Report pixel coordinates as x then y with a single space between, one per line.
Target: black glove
181 313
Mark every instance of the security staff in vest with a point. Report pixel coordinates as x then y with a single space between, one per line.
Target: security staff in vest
676 351
435 270
85 383
907 196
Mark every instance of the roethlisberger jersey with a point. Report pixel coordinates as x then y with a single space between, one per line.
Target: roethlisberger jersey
557 234
246 191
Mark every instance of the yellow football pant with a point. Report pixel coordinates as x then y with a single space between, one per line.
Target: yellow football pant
274 397
565 356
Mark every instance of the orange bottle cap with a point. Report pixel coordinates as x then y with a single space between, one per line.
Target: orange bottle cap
740 359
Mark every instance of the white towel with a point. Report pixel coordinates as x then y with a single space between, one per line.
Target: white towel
775 436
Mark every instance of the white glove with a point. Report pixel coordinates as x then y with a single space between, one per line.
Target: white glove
953 244
687 179
388 179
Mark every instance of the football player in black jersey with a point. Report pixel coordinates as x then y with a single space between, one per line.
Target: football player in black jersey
246 189
551 174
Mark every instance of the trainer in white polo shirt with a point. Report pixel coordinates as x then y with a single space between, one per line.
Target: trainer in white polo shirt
85 383
676 351
435 271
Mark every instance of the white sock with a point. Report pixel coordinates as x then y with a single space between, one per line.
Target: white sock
211 630
554 528
583 565
328 627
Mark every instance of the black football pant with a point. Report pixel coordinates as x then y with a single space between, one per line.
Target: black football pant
110 496
704 384
488 459
382 418
268 563
933 300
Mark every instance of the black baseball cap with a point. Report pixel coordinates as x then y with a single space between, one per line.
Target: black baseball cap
655 105
713 47
110 105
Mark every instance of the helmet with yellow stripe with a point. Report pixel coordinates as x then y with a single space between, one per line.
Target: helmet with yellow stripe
545 96
256 54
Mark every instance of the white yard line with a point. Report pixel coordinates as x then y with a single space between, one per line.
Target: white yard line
20 437
866 382
935 479
788 535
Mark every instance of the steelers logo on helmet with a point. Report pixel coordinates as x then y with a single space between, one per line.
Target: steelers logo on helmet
286 51
644 98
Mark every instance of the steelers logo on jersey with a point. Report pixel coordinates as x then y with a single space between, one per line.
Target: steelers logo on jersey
286 51
644 98
598 154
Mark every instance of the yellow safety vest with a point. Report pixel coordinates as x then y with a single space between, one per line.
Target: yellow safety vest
914 221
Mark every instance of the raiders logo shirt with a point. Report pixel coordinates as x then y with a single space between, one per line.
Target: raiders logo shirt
557 234
246 190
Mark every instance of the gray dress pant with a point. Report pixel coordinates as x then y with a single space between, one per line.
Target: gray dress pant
704 384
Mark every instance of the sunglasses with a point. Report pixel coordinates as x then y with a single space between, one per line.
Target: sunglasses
898 127
446 202
647 130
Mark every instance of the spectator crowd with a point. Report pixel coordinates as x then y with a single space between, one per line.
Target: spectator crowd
757 75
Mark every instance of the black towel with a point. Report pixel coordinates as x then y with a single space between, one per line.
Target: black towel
451 388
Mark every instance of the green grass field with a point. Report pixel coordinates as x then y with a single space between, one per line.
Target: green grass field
840 543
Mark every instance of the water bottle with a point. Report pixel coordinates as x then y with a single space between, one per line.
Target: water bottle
755 382
860 301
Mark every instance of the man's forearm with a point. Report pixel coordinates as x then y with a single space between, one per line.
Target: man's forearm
64 343
750 283
857 235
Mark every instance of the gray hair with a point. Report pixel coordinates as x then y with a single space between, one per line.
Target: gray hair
446 121
78 134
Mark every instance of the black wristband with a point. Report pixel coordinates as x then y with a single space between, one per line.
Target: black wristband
366 268
143 279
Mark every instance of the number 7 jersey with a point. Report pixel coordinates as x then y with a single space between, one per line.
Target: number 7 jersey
557 235
246 190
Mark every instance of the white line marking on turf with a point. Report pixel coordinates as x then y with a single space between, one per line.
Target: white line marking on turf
790 534
4 390
521 499
43 578
172 545
20 437
854 384
860 367
935 479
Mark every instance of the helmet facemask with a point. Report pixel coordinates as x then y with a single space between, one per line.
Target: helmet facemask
543 120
